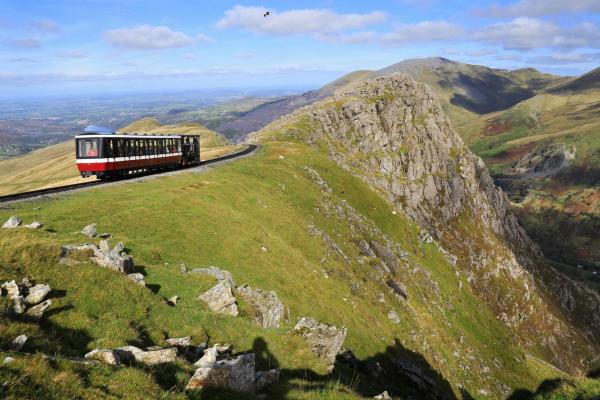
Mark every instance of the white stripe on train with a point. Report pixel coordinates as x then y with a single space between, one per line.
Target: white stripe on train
118 159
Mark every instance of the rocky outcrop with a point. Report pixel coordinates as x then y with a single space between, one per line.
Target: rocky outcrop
105 356
269 311
26 300
182 342
220 299
115 259
37 294
89 230
221 274
103 255
137 278
15 222
18 343
383 396
543 161
392 133
155 356
238 374
12 223
324 340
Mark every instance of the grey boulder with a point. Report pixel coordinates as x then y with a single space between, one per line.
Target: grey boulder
18 343
11 288
37 294
137 278
209 357
36 312
115 259
89 230
263 379
105 356
149 357
220 299
12 223
324 340
269 310
237 374
180 342
221 274
393 316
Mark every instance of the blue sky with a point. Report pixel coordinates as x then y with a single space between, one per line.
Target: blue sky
86 46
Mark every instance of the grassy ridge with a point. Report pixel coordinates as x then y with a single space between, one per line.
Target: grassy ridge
224 218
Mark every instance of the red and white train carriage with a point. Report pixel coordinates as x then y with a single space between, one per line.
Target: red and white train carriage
102 153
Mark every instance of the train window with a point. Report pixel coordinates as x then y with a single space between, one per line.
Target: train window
87 148
109 148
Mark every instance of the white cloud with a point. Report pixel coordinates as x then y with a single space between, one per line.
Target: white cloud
537 8
24 43
424 31
244 55
525 33
71 54
46 26
24 60
144 37
565 58
481 52
293 22
202 38
452 51
348 38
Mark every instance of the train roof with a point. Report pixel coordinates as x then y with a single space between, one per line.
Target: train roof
88 136
97 130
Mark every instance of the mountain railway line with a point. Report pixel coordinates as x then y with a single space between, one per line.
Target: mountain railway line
34 194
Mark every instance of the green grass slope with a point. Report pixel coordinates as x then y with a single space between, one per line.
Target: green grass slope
225 217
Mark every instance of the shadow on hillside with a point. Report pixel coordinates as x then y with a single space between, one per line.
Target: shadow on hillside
584 175
545 388
398 370
562 237
50 338
500 93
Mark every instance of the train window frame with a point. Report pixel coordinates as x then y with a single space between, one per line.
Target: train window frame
83 152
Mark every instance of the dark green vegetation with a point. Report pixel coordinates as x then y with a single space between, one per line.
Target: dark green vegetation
224 217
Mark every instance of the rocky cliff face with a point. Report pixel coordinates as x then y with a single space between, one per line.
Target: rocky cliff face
392 132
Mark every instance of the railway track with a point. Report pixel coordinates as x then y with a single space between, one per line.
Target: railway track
69 188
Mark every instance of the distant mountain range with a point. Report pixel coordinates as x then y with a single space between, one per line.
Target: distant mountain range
465 91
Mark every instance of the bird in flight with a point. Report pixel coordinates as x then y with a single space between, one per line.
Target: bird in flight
267 14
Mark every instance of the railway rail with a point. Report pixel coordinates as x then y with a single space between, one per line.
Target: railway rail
68 188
